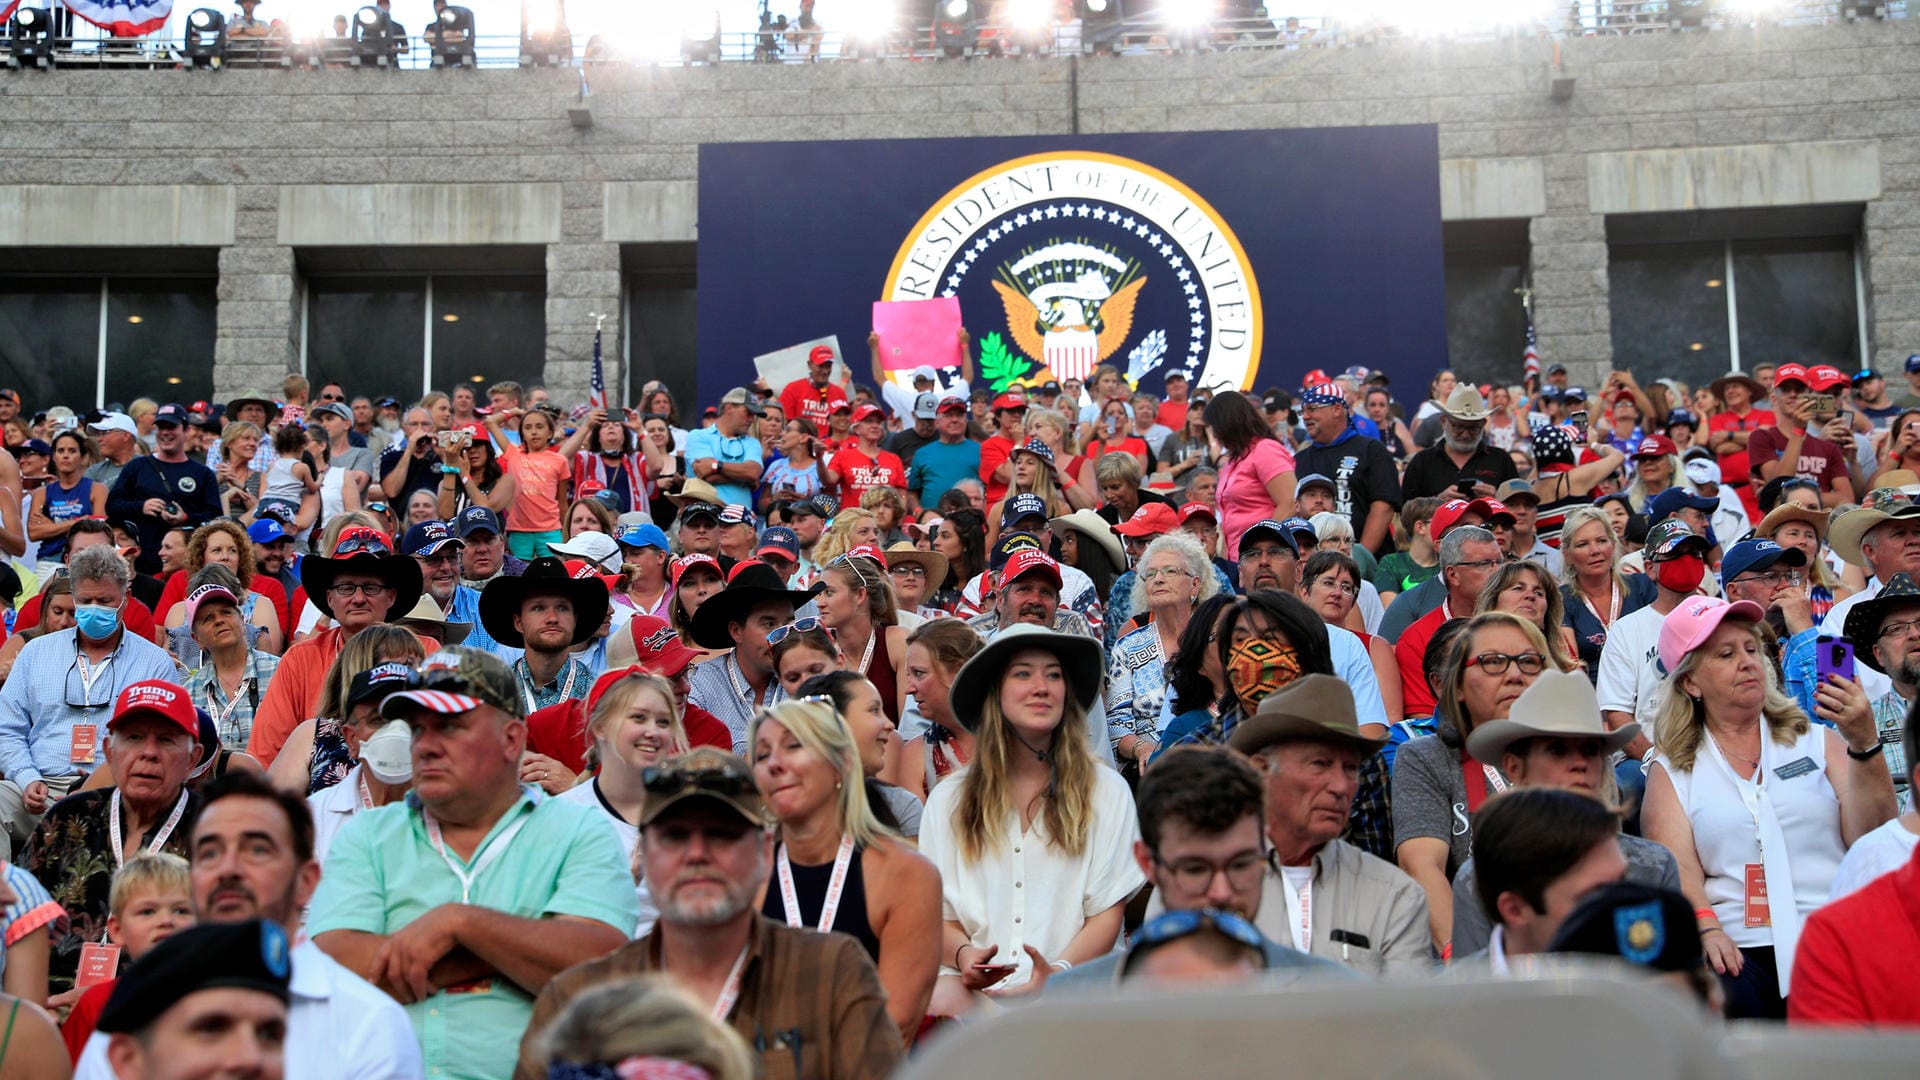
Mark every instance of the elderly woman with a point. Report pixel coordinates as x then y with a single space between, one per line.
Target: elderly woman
1529 591
231 677
1330 583
1757 804
1256 469
647 1026
1593 591
1437 786
322 751
1034 840
836 867
1117 478
1264 641
1333 532
1174 576
222 543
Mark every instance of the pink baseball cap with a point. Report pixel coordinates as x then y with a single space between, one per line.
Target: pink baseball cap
1688 626
210 591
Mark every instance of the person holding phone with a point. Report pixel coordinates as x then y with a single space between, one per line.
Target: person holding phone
1775 578
1790 448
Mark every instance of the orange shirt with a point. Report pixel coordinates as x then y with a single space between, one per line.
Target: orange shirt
536 498
294 691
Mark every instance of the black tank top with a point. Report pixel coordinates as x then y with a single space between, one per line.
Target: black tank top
810 888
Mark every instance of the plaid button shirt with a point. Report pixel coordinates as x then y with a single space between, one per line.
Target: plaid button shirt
1890 718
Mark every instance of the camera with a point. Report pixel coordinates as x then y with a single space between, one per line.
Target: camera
452 439
173 507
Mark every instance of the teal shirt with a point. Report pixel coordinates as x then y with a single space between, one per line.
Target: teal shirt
382 873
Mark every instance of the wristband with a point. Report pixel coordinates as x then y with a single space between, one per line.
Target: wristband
957 950
1705 913
1060 965
1866 755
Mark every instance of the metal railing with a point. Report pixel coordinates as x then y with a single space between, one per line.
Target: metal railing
919 39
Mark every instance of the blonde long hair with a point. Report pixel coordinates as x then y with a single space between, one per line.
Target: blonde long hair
1579 518
1680 724
618 701
834 541
986 786
821 729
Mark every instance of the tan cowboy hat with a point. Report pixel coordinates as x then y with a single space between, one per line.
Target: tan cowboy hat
1465 404
1905 479
1559 704
696 490
427 615
1881 505
1317 707
1785 512
1755 392
1087 523
934 563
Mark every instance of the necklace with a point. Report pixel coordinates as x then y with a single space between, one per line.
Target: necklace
1753 762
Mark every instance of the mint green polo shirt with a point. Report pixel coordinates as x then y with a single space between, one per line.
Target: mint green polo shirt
382 873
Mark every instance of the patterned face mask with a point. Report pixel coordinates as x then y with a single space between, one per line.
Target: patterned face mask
1257 667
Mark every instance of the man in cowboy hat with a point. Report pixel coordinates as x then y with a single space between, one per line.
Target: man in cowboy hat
1789 447
1742 412
545 612
1323 895
1552 737
363 582
1463 461
1885 634
434 546
738 619
1881 536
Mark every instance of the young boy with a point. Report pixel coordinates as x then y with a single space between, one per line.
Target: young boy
150 901
1402 570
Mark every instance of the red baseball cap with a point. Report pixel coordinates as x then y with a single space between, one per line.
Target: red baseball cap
1490 509
1315 378
1787 373
581 570
1149 520
1655 446
1026 562
1197 509
950 403
159 699
820 354
1825 377
689 562
1446 516
868 412
865 551
1010 399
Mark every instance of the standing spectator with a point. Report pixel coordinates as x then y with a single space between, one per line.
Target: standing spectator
477 479
937 466
115 434
996 452
164 489
64 499
618 457
410 464
908 440
1462 460
1366 485
1256 469
1790 448
407 902
812 398
811 1001
725 455
863 466
541 477
1730 429
1173 411
53 705
798 473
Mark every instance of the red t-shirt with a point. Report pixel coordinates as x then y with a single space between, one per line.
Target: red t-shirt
1857 955
268 588
860 474
559 731
803 400
1733 466
994 453
1409 653
1172 415
1820 461
84 1016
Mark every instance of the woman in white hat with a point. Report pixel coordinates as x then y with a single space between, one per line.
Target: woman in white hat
1033 839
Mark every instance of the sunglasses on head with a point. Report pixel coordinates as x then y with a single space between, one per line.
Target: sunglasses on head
720 780
1175 925
798 626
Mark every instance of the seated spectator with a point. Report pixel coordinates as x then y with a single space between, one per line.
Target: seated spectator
230 979
150 900
1635 923
640 1024
379 750
1537 852
150 746
230 678
705 844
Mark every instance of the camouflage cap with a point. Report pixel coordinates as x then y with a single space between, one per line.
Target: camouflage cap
705 772
455 680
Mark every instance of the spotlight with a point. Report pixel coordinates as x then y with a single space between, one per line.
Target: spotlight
206 44
700 39
373 42
451 38
1188 23
30 35
956 27
1856 10
1101 25
871 27
544 38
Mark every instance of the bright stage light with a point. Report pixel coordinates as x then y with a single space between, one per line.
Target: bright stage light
957 9
1030 15
1097 7
1755 9
866 21
1189 14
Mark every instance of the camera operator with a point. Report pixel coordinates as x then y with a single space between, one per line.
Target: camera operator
415 464
164 490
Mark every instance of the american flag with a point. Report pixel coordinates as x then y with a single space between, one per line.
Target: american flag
597 393
1530 360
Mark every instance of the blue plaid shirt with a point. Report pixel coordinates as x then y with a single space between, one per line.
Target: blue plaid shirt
1890 719
466 608
44 697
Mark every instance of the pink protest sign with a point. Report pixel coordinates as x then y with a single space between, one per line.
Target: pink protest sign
916 332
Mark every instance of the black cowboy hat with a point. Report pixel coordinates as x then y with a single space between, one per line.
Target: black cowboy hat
362 550
752 583
1862 627
500 601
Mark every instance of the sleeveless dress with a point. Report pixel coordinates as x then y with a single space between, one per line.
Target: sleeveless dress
1551 518
810 889
880 673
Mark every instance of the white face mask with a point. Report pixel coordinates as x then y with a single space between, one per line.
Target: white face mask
388 754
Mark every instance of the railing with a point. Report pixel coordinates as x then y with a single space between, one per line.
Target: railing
1384 23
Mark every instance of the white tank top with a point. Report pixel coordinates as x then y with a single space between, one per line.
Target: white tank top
332 501
1728 815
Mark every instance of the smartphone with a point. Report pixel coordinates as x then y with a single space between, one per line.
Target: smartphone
1845 414
1832 656
1578 418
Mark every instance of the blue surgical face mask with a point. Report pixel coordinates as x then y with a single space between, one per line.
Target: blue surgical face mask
96 621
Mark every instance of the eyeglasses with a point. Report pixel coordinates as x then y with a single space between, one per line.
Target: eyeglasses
1496 663
332 397
908 570
1344 588
1772 578
1897 629
1195 875
1482 564
85 704
440 558
1159 572
345 591
1175 925
379 508
798 626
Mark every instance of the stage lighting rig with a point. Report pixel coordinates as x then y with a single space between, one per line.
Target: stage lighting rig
206 43
544 38
870 27
30 37
700 40
1102 24
1188 23
451 37
373 40
956 27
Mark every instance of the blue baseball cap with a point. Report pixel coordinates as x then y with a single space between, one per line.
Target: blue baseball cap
427 538
1314 480
171 414
477 519
1755 555
647 535
1020 506
732 514
1275 529
36 446
266 531
1574 393
778 539
1680 416
1863 375
1301 527
1008 544
1913 362
1673 500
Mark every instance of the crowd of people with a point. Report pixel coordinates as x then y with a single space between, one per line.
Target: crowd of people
493 735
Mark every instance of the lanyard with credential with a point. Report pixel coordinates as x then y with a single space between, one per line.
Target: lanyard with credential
528 689
835 886
730 993
159 838
482 859
90 676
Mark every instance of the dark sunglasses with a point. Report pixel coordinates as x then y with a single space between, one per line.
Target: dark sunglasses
721 780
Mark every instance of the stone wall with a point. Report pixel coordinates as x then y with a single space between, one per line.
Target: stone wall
262 164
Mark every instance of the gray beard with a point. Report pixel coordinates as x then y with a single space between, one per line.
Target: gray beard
1906 676
1462 448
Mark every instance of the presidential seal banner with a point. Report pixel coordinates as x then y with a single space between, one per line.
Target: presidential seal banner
1238 259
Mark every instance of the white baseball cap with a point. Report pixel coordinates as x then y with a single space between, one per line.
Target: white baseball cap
114 421
1703 471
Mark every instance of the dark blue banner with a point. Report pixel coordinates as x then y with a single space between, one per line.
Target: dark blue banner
1240 258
